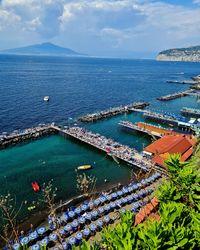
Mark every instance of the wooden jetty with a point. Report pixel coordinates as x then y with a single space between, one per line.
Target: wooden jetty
190 112
113 149
17 137
152 130
175 95
113 112
190 82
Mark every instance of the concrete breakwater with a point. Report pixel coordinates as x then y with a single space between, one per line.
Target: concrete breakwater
22 136
113 111
175 95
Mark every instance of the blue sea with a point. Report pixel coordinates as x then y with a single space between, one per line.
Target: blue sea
77 86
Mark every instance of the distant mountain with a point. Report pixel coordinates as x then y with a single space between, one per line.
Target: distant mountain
190 54
48 49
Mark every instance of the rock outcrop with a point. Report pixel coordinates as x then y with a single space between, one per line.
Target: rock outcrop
190 54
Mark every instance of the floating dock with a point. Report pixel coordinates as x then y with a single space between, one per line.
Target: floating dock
113 112
152 130
17 137
175 95
190 112
114 149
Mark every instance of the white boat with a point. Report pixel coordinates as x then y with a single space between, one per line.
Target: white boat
46 98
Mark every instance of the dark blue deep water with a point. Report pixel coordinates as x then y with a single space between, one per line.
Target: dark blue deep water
77 86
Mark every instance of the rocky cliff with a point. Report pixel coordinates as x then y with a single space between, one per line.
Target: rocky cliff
191 54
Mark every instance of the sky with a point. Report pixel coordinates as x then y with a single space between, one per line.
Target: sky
111 28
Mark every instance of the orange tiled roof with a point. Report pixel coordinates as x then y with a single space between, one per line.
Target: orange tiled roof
146 211
169 143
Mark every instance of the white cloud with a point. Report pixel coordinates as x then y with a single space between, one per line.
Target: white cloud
99 25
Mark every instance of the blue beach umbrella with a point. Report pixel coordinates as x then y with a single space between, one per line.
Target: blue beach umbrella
107 208
113 205
124 200
86 232
91 204
75 224
77 210
130 189
65 245
102 199
109 197
24 241
79 236
135 187
33 235
97 202
114 195
71 214
64 217
68 228
94 214
72 241
93 227
101 210
53 237
99 223
62 231
41 230
44 242
129 198
16 246
81 220
35 247
119 202
106 219
88 216
119 193
84 207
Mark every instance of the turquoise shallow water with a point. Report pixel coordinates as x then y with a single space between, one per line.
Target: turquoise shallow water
77 86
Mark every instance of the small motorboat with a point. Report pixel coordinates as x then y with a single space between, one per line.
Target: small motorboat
46 98
84 167
35 186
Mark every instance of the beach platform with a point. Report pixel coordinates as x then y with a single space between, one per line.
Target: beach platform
113 149
152 130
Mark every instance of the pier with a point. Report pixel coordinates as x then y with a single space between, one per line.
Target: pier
175 95
114 149
113 112
152 130
191 82
190 112
161 117
17 137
